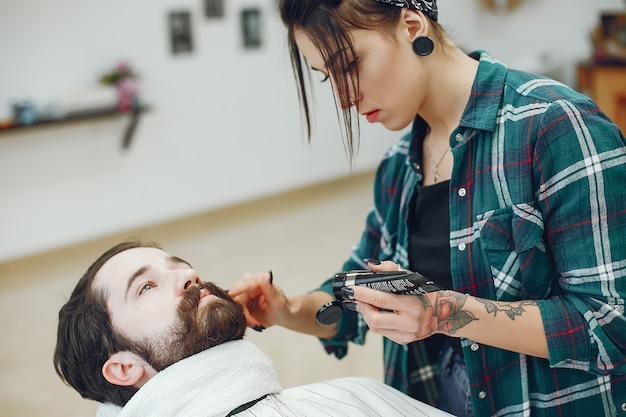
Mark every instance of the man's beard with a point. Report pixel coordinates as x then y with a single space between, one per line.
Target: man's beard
194 330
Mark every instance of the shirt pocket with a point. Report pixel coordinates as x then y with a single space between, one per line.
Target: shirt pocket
512 241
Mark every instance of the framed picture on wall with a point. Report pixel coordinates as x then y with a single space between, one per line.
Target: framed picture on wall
214 8
251 28
180 32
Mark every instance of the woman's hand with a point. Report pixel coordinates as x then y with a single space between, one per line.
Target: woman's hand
407 318
264 304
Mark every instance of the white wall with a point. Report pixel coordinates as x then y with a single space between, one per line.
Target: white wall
225 125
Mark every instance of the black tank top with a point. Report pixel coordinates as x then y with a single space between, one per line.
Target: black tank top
429 245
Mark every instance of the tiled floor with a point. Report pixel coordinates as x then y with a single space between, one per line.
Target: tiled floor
302 236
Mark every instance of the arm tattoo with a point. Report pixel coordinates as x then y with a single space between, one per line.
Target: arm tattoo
511 309
449 312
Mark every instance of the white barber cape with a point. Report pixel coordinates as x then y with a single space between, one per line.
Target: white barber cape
217 381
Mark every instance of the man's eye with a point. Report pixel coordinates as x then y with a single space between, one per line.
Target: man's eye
146 287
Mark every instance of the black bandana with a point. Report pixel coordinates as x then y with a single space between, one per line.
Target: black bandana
429 7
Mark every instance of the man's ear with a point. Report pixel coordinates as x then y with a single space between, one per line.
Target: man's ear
127 369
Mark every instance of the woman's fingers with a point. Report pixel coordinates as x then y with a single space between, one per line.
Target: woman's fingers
401 318
249 284
253 292
379 299
384 266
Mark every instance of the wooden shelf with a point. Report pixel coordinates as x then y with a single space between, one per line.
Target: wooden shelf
85 116
606 85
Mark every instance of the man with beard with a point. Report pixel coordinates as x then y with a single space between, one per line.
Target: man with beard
142 331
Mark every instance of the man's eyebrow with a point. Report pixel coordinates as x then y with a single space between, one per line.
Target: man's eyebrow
138 273
144 268
177 260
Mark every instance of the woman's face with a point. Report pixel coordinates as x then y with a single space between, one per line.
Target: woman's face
389 81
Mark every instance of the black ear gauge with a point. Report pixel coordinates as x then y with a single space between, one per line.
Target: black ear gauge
423 46
329 313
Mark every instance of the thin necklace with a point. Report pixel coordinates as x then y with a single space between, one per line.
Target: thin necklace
435 166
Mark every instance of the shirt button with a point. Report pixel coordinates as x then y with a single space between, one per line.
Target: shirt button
482 395
461 246
474 347
624 407
462 192
458 137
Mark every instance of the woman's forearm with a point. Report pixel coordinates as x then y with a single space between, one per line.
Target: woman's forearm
303 309
515 325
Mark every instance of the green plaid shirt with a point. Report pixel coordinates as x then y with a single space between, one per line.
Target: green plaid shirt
537 211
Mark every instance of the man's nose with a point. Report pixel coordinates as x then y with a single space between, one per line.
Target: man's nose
185 279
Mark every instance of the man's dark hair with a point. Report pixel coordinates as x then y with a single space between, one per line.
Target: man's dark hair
86 339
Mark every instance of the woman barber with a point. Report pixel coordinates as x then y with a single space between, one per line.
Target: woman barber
509 192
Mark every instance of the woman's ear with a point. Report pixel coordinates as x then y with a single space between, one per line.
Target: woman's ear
414 23
127 369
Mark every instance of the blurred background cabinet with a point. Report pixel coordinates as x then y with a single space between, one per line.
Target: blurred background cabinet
606 85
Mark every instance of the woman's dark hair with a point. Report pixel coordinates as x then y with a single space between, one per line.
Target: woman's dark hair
327 23
86 339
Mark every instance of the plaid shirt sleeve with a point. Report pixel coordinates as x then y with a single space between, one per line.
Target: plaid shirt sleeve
381 239
352 327
538 211
579 159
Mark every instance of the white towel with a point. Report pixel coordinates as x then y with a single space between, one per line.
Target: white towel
215 382
224 377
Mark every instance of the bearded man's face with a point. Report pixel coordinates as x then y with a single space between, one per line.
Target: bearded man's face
198 328
161 310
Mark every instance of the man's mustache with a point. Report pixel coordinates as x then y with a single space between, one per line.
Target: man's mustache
191 297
